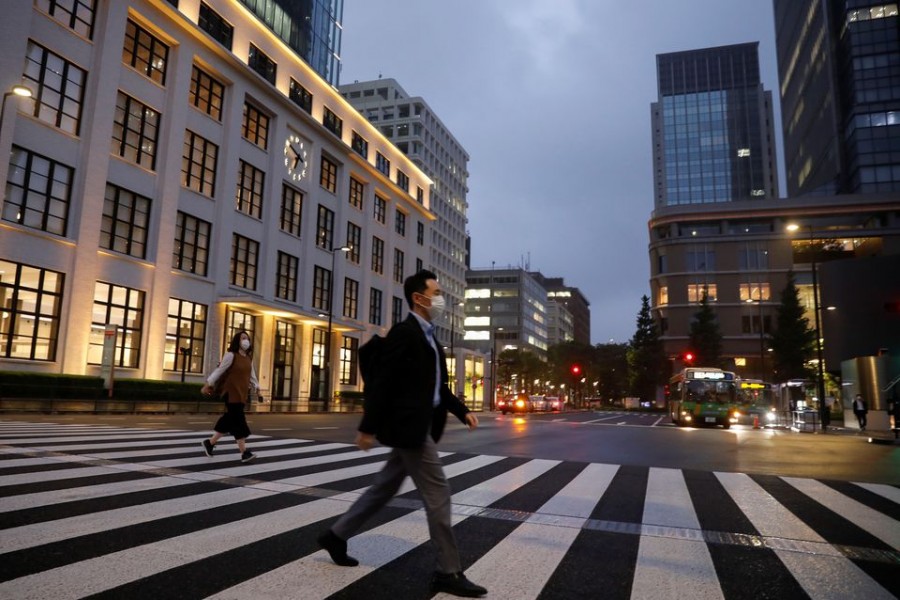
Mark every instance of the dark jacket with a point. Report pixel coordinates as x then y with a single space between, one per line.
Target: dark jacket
398 406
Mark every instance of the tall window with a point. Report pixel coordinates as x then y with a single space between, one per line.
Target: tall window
291 210
250 187
332 122
382 163
420 195
354 241
212 23
123 307
328 176
185 331
663 298
375 308
357 191
321 299
191 252
145 52
380 211
419 265
260 62
126 218
360 145
58 88
349 354
135 128
420 233
325 228
403 180
283 359
351 298
235 321
701 260
300 96
38 192
198 164
398 265
244 260
377 254
30 301
207 93
286 282
752 324
77 15
753 257
400 222
396 310
255 128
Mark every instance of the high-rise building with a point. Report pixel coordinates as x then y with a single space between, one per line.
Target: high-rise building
417 131
506 308
180 174
712 128
572 322
312 28
840 97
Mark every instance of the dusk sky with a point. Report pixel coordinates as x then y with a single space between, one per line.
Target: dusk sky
551 100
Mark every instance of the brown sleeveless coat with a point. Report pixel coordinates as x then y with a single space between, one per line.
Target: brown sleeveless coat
237 379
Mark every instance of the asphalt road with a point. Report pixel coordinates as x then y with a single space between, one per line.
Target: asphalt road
635 439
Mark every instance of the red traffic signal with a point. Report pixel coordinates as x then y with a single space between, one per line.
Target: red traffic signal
576 370
688 357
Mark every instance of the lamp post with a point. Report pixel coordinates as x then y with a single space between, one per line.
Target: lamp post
820 378
327 399
17 90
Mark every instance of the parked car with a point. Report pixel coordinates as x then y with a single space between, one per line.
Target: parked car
539 403
555 403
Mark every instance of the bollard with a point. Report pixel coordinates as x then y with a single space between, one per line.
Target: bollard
755 421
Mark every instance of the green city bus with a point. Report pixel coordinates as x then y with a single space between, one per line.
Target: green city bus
702 396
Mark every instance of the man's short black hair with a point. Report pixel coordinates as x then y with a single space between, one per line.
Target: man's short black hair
416 284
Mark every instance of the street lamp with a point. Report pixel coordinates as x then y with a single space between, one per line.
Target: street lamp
820 379
327 399
16 90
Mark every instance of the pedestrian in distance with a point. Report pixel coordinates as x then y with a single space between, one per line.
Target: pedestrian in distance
232 381
861 410
407 399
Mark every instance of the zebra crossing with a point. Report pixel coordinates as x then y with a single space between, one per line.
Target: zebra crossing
117 512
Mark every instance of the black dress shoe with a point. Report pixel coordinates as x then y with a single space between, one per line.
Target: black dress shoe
337 549
456 584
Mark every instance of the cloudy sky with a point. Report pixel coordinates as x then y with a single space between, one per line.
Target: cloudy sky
551 99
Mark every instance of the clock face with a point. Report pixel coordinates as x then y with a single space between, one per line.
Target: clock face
295 157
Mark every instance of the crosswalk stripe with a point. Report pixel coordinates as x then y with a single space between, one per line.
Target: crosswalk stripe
530 527
668 567
820 568
543 540
877 524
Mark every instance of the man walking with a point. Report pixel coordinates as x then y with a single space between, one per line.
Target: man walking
861 410
406 408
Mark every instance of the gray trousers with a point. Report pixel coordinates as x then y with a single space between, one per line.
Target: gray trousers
424 467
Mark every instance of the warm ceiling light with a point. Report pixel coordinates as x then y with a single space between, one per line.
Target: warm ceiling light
21 90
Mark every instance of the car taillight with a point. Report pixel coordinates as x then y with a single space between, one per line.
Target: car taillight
520 403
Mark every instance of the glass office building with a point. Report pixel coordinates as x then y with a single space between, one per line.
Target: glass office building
839 66
712 128
312 28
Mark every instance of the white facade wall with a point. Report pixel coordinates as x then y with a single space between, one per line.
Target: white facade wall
78 253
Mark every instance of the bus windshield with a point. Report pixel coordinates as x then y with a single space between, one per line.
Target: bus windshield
716 392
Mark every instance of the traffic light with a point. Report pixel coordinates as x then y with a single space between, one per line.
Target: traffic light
576 370
688 357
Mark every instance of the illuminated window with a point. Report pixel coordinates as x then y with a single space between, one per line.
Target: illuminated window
696 291
185 328
30 305
663 295
754 292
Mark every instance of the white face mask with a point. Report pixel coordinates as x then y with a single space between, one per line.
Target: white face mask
245 344
437 307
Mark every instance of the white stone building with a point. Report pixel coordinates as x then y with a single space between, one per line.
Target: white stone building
180 173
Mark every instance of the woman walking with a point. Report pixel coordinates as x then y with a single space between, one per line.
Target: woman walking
237 377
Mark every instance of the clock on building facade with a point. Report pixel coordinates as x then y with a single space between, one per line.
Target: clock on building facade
295 157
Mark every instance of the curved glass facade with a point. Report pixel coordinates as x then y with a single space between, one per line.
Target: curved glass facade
312 28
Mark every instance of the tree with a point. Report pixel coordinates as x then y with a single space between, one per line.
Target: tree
793 342
646 358
706 339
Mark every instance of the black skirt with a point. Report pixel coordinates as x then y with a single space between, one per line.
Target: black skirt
233 421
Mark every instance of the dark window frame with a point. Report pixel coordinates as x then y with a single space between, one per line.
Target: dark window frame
191 249
145 53
244 262
125 223
24 200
